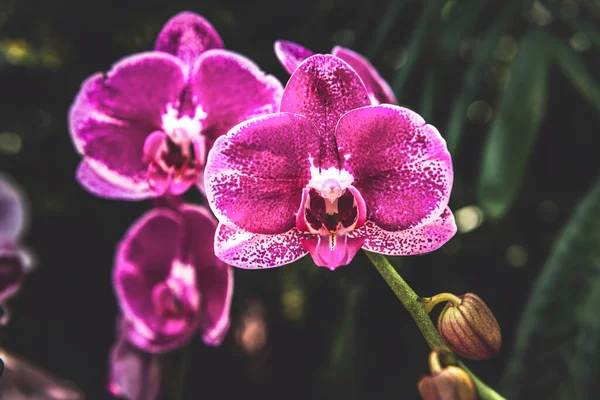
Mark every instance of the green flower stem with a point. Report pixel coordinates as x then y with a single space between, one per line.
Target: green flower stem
418 311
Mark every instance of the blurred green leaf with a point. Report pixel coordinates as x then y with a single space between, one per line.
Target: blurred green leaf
476 73
428 97
385 26
425 29
557 351
460 24
574 22
519 116
341 370
574 67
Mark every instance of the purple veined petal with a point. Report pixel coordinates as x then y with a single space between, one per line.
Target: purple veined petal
215 278
186 36
291 54
400 164
377 87
417 240
255 174
102 182
23 380
323 88
251 251
133 373
157 291
113 114
231 88
324 255
12 271
13 210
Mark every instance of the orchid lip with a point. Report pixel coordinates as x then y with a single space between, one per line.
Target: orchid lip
175 155
330 209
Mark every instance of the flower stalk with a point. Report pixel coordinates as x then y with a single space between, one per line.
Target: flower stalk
419 311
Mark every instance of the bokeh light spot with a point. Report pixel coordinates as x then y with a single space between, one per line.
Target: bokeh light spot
516 255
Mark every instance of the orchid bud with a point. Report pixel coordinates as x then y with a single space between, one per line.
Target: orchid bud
446 383
469 328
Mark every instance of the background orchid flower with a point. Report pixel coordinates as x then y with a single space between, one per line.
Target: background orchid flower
134 374
329 174
144 128
291 54
169 283
14 263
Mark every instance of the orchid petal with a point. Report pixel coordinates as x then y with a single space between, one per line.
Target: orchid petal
248 250
102 182
376 85
215 278
400 164
230 88
291 54
134 374
12 272
255 174
323 88
114 113
324 255
186 36
12 209
417 240
147 273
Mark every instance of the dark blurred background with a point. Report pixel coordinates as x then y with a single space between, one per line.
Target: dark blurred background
331 335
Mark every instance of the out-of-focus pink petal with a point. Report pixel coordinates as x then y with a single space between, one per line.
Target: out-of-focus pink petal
324 256
231 88
255 174
113 113
215 278
377 87
248 250
12 272
323 88
291 54
186 36
417 240
102 182
12 209
134 374
400 164
157 291
23 380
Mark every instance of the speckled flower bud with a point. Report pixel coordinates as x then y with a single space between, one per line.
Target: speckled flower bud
469 328
451 383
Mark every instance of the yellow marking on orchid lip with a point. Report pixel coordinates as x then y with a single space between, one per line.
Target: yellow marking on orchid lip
332 240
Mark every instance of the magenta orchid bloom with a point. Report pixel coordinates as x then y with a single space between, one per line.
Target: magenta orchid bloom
327 175
144 128
169 283
14 263
291 54
134 374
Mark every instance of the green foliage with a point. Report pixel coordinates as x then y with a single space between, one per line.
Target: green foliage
476 73
557 352
576 70
512 133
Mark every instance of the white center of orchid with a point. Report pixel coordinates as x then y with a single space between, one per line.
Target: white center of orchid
181 128
329 182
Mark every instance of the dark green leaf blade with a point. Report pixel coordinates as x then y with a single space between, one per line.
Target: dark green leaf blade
513 130
557 351
575 68
476 73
